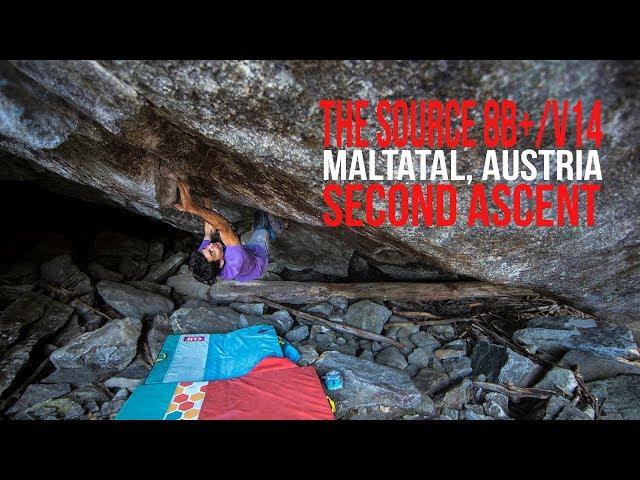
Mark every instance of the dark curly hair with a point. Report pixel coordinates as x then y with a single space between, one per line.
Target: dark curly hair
203 271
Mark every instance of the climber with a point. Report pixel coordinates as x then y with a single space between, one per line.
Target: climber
230 260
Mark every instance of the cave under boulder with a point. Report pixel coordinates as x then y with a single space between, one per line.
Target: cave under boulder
139 122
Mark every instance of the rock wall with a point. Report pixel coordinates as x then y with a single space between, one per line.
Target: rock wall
250 132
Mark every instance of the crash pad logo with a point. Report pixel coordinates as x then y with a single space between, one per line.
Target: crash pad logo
193 338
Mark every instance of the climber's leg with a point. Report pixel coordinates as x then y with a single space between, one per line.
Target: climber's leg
266 227
277 225
261 227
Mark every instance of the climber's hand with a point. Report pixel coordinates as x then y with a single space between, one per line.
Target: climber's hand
209 229
186 202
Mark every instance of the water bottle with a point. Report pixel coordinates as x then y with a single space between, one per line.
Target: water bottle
333 380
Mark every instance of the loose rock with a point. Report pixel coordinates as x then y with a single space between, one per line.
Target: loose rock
339 302
367 384
98 355
163 270
132 376
560 380
446 353
308 354
556 335
421 356
619 394
502 365
58 270
424 339
554 407
459 395
457 367
571 412
592 366
133 302
70 331
97 272
185 284
298 334
392 357
83 307
14 359
324 309
110 409
133 269
426 407
38 393
256 309
156 251
62 408
367 315
475 412
449 414
430 381
443 333
25 310
366 355
206 319
414 273
496 405
151 287
281 320
156 335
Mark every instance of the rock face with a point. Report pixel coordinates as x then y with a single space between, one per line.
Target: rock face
38 393
184 284
556 335
619 395
367 315
157 333
502 365
166 268
15 357
97 355
206 319
392 357
595 367
258 125
133 302
368 384
58 269
560 380
25 310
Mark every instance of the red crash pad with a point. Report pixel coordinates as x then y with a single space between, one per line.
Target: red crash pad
276 389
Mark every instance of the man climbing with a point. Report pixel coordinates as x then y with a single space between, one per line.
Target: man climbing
229 260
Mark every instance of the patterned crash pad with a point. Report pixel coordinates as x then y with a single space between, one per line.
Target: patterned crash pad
239 375
277 389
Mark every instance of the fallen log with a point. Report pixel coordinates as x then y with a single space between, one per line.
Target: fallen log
328 323
409 314
515 392
296 293
428 323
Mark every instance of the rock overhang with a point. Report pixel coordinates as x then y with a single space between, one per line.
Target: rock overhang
112 131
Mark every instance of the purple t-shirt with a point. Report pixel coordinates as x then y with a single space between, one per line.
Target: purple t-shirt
242 262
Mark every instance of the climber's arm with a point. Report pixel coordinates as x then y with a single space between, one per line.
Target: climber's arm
208 228
216 220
